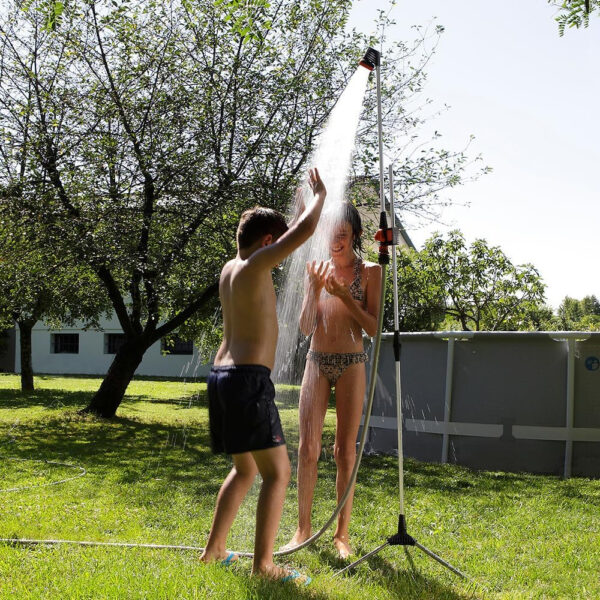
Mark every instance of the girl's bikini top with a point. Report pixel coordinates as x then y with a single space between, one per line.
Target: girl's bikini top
356 290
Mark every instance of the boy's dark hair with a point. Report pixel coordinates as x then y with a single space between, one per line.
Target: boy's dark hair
351 215
258 222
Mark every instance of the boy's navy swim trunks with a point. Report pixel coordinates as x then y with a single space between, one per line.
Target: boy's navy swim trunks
242 411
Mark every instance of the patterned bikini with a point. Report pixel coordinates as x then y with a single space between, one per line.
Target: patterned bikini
333 364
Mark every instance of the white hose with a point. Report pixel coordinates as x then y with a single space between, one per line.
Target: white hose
48 462
310 540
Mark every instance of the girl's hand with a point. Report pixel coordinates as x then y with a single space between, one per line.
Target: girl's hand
337 288
317 274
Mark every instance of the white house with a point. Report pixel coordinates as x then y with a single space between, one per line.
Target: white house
77 351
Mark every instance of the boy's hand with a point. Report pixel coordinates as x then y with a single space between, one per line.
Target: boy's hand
338 288
316 184
317 275
298 231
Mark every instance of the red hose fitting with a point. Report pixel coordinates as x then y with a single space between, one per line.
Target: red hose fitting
385 237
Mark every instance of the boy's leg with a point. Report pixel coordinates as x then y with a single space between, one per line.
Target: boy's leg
232 493
274 466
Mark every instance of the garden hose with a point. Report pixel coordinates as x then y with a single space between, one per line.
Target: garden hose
310 540
370 61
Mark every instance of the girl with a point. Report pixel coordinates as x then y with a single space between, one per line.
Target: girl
341 300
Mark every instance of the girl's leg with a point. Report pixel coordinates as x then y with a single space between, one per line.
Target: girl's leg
349 398
230 497
314 397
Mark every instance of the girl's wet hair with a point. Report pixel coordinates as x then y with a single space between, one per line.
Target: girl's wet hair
350 215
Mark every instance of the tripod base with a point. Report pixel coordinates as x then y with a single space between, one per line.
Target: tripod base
402 538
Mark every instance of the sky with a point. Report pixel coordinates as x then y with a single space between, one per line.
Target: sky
531 99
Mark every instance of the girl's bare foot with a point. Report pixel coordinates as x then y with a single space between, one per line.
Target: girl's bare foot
342 545
282 574
299 537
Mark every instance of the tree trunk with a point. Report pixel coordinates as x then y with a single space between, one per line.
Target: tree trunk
25 328
107 399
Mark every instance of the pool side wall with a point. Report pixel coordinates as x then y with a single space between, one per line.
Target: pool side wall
507 401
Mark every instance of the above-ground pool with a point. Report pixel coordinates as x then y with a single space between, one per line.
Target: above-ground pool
512 401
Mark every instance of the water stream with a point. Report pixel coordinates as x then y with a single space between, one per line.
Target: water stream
333 158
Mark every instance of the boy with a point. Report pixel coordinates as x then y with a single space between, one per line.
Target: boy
244 421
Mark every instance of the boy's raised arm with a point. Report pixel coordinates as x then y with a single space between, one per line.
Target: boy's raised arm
299 231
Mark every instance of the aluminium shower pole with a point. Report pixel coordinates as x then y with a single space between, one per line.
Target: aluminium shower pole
371 61
401 537
397 350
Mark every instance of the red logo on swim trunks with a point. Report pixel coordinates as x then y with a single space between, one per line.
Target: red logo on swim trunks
277 439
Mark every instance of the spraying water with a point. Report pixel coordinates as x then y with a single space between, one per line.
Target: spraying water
332 157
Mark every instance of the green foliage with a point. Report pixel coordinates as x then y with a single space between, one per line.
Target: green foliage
579 315
421 294
41 279
248 18
485 290
574 13
151 478
448 285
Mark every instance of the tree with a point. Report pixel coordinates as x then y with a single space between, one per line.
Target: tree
38 283
590 306
476 288
39 274
485 290
574 13
421 294
156 123
579 315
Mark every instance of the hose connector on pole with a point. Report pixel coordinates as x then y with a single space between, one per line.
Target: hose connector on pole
385 237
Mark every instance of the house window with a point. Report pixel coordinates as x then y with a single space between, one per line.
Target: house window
175 345
113 342
65 343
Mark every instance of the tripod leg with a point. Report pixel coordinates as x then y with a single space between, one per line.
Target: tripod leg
440 560
360 560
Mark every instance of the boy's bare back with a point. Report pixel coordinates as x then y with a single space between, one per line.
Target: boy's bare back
247 294
249 315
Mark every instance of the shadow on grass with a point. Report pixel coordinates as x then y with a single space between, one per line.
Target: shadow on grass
126 450
181 452
457 482
57 399
46 398
286 398
405 583
100 376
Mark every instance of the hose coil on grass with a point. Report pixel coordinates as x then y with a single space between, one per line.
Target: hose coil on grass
81 473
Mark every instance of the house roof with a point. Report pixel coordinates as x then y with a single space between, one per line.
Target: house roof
364 193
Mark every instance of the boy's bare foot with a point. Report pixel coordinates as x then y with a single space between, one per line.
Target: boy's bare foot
225 558
342 545
282 574
299 538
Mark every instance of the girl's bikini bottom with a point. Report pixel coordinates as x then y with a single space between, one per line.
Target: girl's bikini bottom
333 364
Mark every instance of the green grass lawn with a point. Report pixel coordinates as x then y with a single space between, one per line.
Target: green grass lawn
152 479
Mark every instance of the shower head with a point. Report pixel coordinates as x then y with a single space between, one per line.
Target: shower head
370 60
